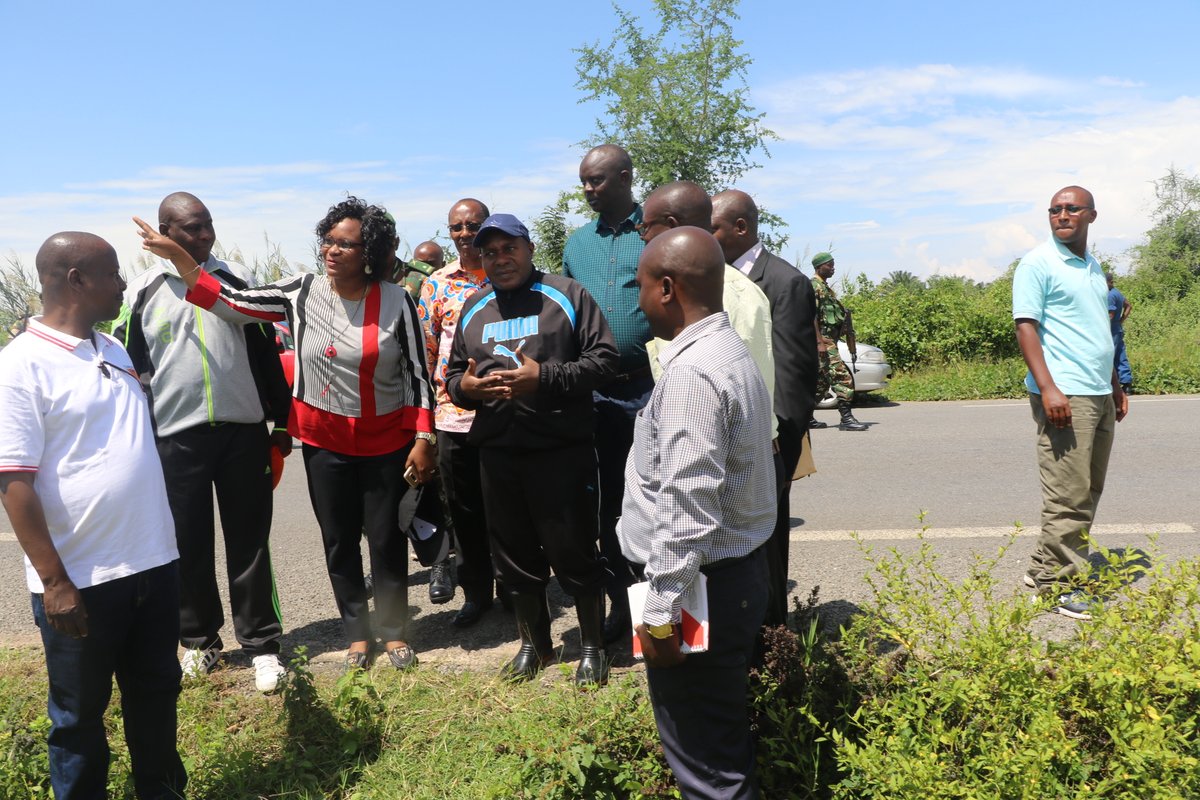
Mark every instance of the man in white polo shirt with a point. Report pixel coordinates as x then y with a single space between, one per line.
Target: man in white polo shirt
83 487
1060 305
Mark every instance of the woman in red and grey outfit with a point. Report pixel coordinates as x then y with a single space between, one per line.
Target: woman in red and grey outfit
363 405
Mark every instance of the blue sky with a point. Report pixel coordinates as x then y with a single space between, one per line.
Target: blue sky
926 137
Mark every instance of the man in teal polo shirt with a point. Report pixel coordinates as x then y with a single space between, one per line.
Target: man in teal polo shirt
1060 305
603 256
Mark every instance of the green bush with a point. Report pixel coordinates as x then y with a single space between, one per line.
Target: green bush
943 687
1162 334
946 320
950 338
801 697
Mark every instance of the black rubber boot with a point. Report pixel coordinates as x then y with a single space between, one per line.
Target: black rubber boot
816 424
533 625
617 624
593 661
849 423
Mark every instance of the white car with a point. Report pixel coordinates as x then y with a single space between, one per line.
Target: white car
871 372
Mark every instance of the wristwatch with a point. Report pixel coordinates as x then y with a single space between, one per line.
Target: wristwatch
429 437
661 631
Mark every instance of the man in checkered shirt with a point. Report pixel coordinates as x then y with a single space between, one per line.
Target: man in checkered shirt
700 498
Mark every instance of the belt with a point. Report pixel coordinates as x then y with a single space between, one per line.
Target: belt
725 563
632 375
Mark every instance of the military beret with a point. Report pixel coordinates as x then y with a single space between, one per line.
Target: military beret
822 258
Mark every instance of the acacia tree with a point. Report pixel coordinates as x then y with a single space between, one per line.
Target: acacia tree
550 232
676 98
1172 248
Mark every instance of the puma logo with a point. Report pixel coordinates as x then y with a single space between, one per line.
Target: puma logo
501 350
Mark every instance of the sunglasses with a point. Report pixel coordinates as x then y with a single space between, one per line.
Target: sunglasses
473 227
1072 210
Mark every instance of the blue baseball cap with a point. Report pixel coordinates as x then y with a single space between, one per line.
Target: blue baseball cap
505 223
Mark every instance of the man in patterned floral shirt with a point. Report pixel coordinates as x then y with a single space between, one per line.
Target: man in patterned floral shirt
442 297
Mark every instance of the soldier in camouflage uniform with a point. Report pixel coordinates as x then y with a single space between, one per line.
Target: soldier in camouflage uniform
427 258
831 320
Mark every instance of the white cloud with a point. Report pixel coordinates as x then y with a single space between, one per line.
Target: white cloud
956 165
252 204
892 91
1118 83
1002 239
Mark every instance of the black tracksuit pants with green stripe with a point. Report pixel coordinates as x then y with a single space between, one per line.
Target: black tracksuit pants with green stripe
235 459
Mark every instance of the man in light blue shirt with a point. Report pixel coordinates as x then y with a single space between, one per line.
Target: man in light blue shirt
1060 306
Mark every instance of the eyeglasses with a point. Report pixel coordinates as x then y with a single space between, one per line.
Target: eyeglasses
646 225
1072 210
473 227
492 252
341 244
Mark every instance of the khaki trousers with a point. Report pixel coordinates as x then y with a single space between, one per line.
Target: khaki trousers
1072 462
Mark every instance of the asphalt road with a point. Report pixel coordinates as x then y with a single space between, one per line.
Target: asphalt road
967 467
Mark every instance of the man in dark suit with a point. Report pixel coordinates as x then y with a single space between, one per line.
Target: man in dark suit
794 346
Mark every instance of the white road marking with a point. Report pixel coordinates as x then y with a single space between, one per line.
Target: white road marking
1132 529
7 536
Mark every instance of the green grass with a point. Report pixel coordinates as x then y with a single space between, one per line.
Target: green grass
960 381
943 686
380 734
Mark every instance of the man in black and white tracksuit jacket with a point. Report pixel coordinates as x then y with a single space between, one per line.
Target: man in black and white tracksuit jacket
209 383
527 354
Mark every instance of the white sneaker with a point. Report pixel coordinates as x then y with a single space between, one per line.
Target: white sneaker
268 669
197 663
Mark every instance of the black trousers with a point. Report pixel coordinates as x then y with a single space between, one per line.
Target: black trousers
458 462
700 706
353 496
791 442
616 406
233 458
541 514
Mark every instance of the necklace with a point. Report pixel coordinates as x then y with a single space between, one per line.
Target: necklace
331 351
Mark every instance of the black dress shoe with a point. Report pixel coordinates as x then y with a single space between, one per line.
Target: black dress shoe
441 586
470 613
816 424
